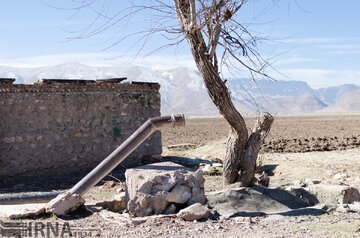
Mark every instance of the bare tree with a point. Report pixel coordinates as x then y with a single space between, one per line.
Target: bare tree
206 29
211 28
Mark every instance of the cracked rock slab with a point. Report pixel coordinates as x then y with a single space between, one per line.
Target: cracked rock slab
162 188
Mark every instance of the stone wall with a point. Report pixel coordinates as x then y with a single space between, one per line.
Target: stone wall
65 127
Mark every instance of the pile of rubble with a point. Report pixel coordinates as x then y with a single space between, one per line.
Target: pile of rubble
163 188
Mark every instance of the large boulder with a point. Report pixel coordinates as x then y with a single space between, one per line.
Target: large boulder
162 188
253 201
334 194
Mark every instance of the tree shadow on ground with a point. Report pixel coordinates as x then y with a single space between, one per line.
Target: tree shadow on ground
268 169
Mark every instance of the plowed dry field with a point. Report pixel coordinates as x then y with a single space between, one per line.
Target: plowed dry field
292 134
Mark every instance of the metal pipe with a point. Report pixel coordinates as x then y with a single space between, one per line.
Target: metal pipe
128 146
27 197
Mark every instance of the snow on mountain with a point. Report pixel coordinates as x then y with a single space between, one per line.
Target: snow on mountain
272 88
182 89
348 102
331 94
74 70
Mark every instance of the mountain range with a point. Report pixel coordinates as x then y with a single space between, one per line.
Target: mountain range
182 90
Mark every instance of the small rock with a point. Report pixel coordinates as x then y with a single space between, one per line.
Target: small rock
298 183
217 165
244 220
196 211
210 170
355 207
109 184
312 181
328 207
116 205
343 208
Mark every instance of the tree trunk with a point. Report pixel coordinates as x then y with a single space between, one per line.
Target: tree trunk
252 148
232 160
220 95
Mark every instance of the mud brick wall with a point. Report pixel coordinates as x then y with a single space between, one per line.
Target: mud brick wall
66 128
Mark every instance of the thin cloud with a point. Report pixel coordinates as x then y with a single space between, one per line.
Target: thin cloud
320 40
100 59
295 60
341 46
341 49
318 78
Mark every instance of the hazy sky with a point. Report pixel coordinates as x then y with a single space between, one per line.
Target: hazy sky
318 41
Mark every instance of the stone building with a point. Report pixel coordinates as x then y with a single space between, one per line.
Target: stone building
64 127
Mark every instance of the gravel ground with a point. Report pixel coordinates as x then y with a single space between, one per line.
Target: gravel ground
86 224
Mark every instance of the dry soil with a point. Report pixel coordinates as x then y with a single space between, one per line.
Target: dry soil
324 148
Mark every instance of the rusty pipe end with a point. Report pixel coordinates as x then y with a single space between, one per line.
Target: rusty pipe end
178 119
173 120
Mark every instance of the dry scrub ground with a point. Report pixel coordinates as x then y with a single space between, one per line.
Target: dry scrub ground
329 151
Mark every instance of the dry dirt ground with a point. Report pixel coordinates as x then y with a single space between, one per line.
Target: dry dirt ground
325 148
298 147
